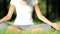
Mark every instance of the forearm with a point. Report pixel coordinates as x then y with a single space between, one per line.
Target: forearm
9 15
44 19
6 18
40 16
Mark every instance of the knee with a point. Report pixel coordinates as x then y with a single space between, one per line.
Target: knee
37 30
13 28
3 26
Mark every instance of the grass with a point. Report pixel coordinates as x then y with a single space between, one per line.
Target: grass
27 32
52 31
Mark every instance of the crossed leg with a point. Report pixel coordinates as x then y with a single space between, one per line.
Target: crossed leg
15 29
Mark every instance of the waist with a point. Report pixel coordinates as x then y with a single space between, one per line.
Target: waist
23 22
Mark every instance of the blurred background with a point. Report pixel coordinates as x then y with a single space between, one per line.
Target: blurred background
49 8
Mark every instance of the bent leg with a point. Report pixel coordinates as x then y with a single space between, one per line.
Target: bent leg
45 27
4 26
14 29
36 30
40 27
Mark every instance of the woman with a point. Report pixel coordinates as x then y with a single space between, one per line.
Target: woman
24 21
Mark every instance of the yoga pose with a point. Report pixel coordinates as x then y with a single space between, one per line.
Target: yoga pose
24 21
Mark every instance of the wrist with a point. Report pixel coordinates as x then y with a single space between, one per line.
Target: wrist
53 24
50 23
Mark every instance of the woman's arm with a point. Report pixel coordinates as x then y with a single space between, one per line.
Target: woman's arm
9 15
41 17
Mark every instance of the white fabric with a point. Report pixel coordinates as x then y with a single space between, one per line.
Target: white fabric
24 12
34 2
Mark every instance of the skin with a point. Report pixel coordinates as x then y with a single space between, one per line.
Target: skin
38 12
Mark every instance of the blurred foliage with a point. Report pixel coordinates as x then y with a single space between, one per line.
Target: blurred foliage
53 10
4 7
42 5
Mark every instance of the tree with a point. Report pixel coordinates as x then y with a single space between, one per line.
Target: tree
3 8
52 9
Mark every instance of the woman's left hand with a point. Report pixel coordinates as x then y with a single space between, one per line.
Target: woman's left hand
56 26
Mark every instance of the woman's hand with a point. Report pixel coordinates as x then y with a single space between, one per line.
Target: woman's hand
56 26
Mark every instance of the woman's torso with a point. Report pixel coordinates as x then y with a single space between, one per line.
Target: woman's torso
24 13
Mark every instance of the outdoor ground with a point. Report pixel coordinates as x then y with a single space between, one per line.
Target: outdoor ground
52 31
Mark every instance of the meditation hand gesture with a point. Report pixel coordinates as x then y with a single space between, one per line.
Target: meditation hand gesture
56 26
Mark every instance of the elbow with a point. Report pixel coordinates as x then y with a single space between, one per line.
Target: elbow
8 17
40 16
